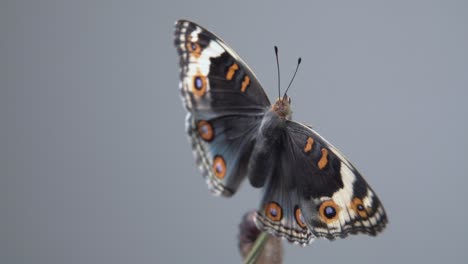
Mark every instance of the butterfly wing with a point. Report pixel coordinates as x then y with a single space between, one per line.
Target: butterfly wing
225 103
335 198
222 148
213 78
317 189
279 211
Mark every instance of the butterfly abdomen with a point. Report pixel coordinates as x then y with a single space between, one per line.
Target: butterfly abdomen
267 144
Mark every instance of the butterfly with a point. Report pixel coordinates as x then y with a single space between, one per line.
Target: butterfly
310 189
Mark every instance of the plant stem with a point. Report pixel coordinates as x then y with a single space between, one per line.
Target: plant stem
257 248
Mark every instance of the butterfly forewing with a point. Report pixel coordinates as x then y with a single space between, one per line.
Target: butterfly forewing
213 77
335 198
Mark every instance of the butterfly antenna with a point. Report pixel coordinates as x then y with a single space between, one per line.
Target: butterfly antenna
277 66
297 67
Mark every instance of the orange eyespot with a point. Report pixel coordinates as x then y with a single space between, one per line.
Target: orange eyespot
359 207
219 167
273 211
205 130
329 211
299 218
194 48
199 85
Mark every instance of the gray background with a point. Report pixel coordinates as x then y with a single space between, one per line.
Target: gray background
96 168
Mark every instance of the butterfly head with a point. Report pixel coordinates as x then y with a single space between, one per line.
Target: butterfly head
282 107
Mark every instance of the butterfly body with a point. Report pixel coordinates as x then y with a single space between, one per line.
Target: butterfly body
309 188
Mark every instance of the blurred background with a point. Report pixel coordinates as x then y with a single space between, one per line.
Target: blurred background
95 166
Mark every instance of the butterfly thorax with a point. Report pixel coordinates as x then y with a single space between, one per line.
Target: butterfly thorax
282 107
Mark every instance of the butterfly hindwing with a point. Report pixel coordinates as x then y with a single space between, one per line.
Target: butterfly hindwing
279 211
222 147
334 198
